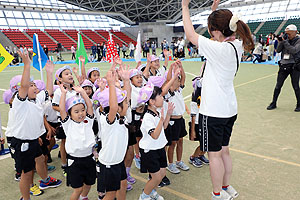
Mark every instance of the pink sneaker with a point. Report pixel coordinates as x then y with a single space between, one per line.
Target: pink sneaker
131 180
129 187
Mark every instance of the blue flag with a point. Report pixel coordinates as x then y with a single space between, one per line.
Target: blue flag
35 58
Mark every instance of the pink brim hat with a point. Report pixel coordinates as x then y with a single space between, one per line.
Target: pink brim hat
91 70
156 80
74 101
60 70
154 58
15 83
87 83
103 97
145 93
134 72
7 95
40 85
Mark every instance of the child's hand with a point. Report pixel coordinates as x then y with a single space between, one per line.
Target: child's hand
118 61
139 64
215 5
171 107
49 67
185 3
25 57
148 58
82 59
162 114
124 72
101 83
177 72
75 70
111 77
78 89
179 63
63 89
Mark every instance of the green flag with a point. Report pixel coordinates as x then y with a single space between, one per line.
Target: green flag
80 50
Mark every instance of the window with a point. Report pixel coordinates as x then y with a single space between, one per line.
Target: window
27 14
30 22
3 22
11 22
21 22
51 16
35 15
44 15
54 23
18 14
9 14
38 22
1 13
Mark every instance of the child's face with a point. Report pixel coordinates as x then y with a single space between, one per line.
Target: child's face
137 80
123 111
88 90
32 91
158 102
67 77
94 76
155 64
78 112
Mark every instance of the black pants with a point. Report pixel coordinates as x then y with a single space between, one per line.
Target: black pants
283 73
257 58
73 56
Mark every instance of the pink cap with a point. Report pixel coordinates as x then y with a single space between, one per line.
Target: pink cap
87 83
74 101
154 58
7 95
60 70
103 97
55 87
156 80
40 85
134 72
142 67
91 70
145 93
15 83
96 83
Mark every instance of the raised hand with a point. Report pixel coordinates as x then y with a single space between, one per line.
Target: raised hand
215 5
111 77
82 59
118 61
171 107
49 67
185 3
62 88
101 82
148 58
75 70
162 114
78 89
124 72
25 57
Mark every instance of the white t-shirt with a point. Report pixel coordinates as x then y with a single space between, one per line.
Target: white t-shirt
195 111
134 96
80 138
98 114
176 98
29 116
56 97
114 137
149 123
218 97
50 113
10 123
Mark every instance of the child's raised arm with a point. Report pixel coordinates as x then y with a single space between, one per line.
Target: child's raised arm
62 102
124 73
167 86
25 81
182 82
171 107
87 100
83 74
113 103
49 69
146 73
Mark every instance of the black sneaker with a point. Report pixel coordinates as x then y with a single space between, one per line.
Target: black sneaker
18 177
204 160
49 158
272 106
64 168
58 154
162 184
166 180
297 109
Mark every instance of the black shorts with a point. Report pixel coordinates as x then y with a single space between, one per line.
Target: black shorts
153 160
8 140
54 124
95 127
197 138
60 133
131 135
24 153
175 130
110 177
81 171
44 146
215 132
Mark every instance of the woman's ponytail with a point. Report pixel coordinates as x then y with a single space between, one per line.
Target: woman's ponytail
243 31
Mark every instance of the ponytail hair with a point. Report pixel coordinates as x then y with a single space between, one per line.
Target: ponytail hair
219 21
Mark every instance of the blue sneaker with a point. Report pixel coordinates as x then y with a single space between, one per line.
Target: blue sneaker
51 168
137 162
52 183
196 162
55 146
204 160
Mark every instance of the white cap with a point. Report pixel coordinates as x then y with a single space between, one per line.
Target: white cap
291 27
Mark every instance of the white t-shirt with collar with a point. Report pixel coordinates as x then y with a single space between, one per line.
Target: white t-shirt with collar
80 138
10 123
57 95
149 123
114 138
134 95
218 97
29 116
176 98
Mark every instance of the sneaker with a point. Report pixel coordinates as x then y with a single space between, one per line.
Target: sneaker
55 146
147 198
196 162
52 183
49 160
173 169
64 168
161 184
204 160
131 180
156 196
272 106
51 168
137 162
297 109
18 177
182 166
232 192
35 190
223 196
166 181
129 187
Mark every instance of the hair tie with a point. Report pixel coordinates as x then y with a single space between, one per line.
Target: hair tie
233 22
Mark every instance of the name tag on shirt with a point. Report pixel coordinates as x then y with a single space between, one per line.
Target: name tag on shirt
137 117
286 56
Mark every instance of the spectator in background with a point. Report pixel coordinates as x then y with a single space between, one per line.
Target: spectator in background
46 50
153 47
102 50
73 51
165 45
181 43
253 37
131 49
22 50
91 57
147 47
98 53
271 46
258 52
118 49
94 51
191 49
124 49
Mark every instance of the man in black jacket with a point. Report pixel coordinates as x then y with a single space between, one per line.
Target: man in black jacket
289 46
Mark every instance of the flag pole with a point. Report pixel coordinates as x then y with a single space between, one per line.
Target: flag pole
78 47
39 56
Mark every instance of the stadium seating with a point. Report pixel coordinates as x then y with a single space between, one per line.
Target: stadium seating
206 34
268 27
17 37
253 26
123 37
94 36
61 38
74 34
43 38
291 21
105 34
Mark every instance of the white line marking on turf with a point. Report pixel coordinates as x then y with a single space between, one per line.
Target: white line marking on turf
191 74
5 156
2 89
